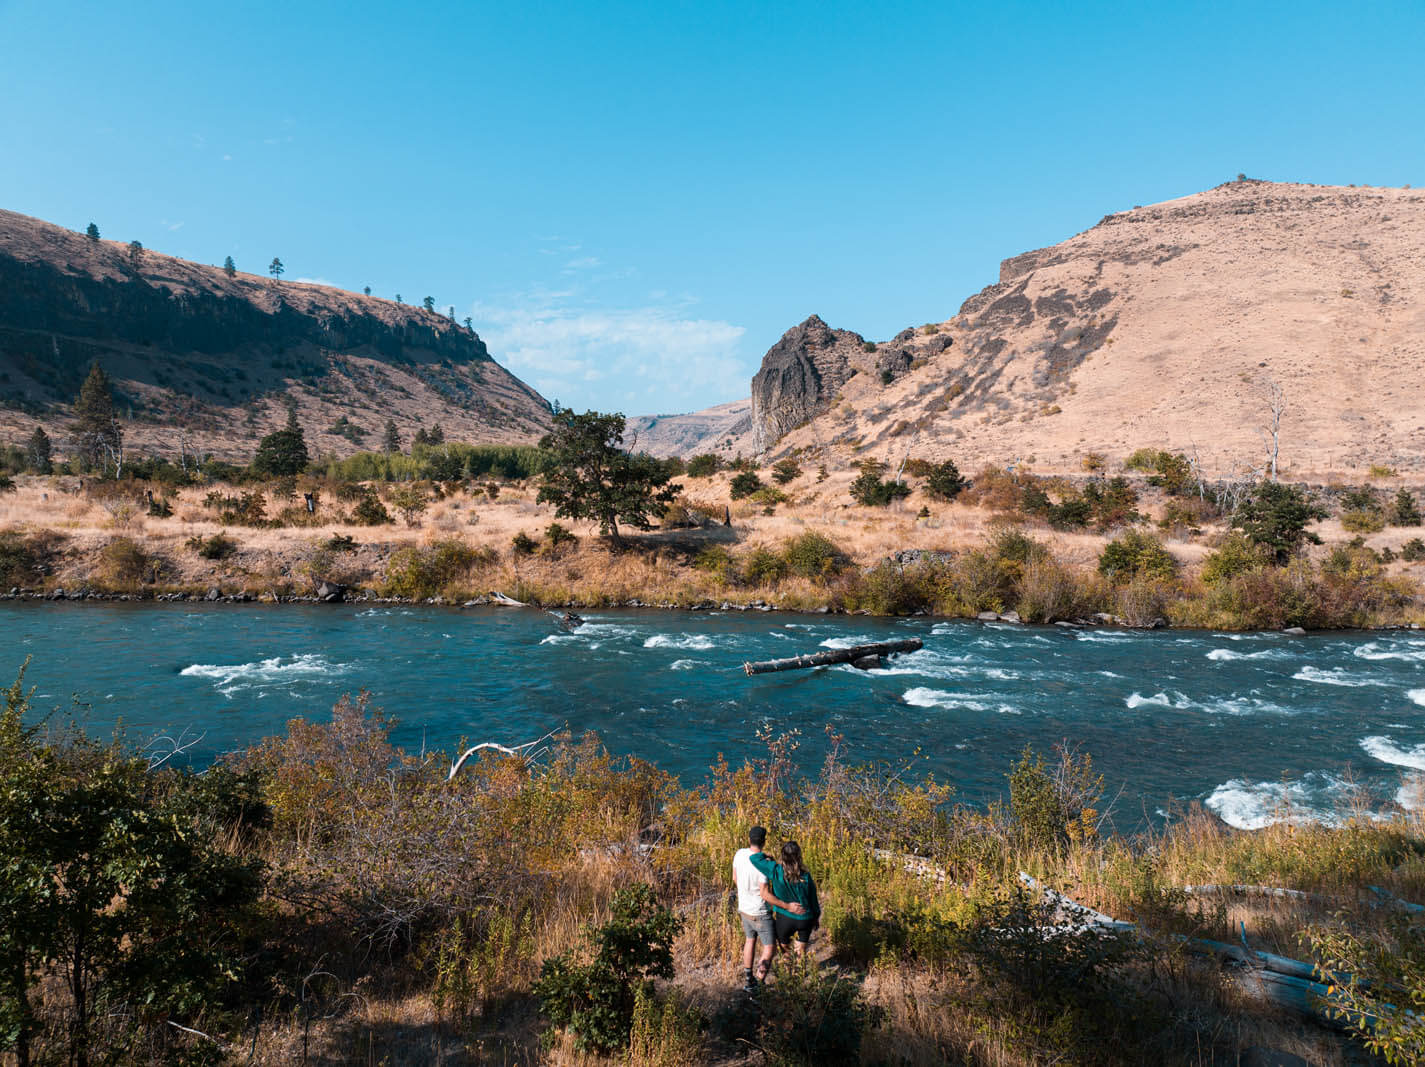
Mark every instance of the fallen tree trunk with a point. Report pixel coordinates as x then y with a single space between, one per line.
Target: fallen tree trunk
835 655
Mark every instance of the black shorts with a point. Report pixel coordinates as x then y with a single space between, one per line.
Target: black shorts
788 928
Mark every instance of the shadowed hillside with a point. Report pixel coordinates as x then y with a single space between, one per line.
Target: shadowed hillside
191 346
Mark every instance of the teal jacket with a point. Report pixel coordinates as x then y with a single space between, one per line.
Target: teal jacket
803 892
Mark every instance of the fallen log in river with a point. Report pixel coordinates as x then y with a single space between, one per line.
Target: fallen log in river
836 655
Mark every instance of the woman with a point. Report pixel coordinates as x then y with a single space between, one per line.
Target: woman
792 893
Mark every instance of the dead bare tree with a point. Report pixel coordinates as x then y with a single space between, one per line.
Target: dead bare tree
1271 435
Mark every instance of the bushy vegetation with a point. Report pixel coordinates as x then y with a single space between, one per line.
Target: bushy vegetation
326 876
870 490
420 573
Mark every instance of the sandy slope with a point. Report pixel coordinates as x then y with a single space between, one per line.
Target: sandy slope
1163 326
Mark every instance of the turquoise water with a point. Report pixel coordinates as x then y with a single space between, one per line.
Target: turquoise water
1247 723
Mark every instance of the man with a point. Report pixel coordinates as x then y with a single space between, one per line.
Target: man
756 916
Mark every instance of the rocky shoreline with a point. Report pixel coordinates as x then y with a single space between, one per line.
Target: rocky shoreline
340 595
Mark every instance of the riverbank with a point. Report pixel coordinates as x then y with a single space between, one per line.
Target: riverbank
811 551
366 904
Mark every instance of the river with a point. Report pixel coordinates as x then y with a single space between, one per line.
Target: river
1255 726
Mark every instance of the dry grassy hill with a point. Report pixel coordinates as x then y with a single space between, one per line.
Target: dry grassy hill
194 350
1162 326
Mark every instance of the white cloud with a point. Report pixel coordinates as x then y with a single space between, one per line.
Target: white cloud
318 281
583 263
615 359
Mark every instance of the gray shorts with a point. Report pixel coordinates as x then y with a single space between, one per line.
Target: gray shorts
759 927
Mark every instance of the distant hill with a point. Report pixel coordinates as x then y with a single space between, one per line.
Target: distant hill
1163 326
192 349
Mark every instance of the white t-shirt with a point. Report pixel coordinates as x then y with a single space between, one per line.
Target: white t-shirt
749 884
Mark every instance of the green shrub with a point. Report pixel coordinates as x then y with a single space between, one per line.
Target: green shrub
1362 498
813 555
523 544
868 347
1362 521
890 589
944 481
717 561
23 560
123 562
744 484
869 490
1275 516
419 573
556 535
340 543
1374 973
1413 550
218 546
786 470
764 566
1136 555
705 465
1237 555
595 1001
1406 512
369 511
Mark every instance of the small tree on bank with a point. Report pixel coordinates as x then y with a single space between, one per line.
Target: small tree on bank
1275 516
283 452
589 477
92 232
100 439
39 456
391 440
276 269
229 267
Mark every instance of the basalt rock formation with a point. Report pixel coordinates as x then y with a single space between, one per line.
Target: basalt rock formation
215 356
1165 326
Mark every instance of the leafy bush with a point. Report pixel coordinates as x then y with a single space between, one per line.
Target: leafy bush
1362 521
556 536
595 1000
1377 980
944 481
717 561
1362 498
1136 555
1405 512
745 484
813 1017
1052 806
1169 471
340 543
123 562
1237 555
786 470
1093 461
418 573
1275 516
217 546
1413 550
704 465
869 490
813 555
369 511
523 544
764 566
24 560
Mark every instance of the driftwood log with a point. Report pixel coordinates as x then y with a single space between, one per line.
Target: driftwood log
836 655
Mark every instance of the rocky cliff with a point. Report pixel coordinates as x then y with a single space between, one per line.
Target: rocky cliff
190 344
1165 326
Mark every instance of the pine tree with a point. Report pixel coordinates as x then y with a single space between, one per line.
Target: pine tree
92 232
398 298
451 313
283 452
436 435
366 291
469 324
391 442
229 267
135 254
429 303
276 269
38 453
421 437
99 437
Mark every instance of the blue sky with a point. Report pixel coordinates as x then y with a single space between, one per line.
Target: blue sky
633 201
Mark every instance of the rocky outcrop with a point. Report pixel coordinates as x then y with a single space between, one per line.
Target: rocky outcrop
178 336
799 378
